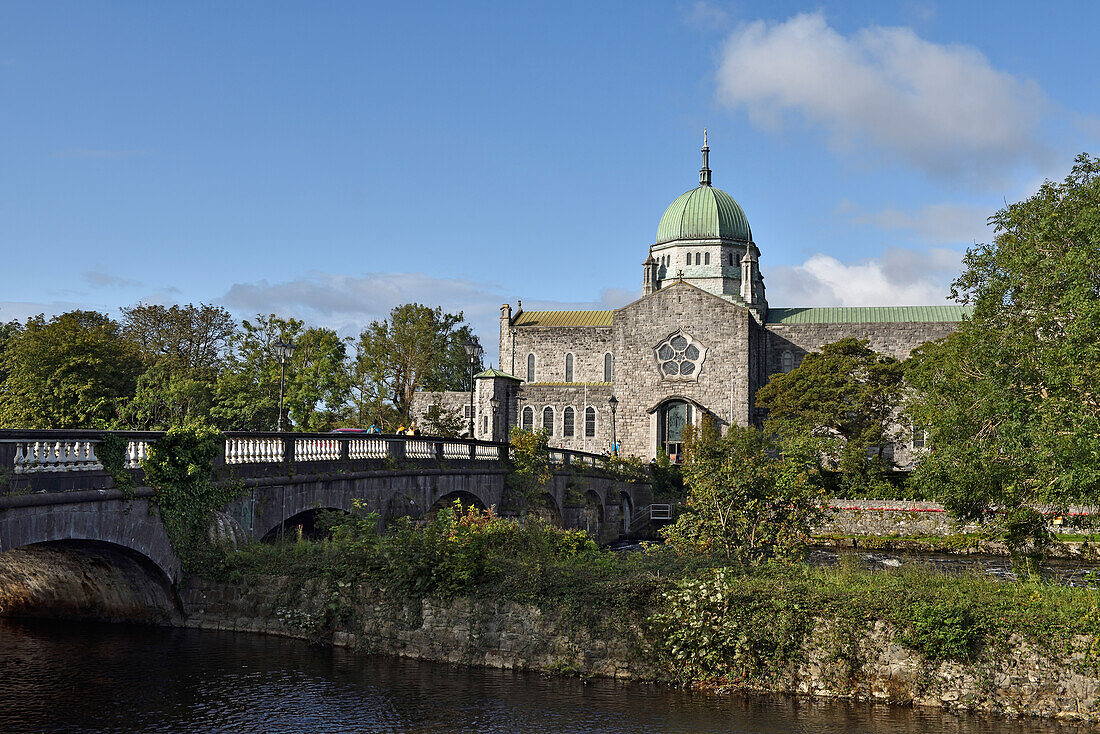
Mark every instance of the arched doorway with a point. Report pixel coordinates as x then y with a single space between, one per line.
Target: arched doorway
672 418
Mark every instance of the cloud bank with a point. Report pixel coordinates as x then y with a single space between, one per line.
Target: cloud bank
349 303
942 109
937 224
901 277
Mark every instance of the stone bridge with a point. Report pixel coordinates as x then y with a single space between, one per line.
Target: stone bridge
55 492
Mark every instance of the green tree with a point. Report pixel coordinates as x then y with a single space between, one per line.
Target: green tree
747 499
316 380
441 421
71 371
184 349
531 472
845 398
1011 399
8 331
417 348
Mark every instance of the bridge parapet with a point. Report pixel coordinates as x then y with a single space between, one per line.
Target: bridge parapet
66 460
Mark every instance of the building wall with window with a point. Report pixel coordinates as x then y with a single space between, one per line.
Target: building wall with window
551 344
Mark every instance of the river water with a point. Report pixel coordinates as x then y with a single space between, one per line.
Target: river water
82 678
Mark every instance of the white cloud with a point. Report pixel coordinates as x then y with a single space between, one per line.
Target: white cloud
22 310
938 224
943 109
706 15
349 303
901 277
106 280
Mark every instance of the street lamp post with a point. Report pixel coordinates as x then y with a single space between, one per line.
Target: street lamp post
284 351
613 403
473 351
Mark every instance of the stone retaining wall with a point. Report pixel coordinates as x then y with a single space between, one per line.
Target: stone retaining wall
1011 677
890 517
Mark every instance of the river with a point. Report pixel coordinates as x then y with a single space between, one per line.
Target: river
79 678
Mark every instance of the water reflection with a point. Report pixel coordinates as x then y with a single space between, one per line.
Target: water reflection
81 678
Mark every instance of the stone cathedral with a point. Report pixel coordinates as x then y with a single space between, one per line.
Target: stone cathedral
699 343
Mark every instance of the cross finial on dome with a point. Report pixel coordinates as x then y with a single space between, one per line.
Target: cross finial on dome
704 172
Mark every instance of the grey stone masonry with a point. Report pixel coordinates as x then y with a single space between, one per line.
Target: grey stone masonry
891 338
721 384
550 344
578 397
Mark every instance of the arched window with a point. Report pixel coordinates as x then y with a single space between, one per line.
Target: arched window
731 258
531 367
484 424
569 368
706 258
697 258
590 422
786 361
528 421
607 367
567 422
548 420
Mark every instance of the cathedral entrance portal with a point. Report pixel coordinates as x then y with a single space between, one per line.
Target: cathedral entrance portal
672 419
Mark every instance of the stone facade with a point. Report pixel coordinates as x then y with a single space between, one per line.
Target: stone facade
702 292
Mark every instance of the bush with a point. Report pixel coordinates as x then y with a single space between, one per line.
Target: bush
944 630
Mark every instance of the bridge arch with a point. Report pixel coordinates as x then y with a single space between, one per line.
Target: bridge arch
132 525
466 498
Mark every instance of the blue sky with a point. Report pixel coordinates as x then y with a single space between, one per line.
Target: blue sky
330 160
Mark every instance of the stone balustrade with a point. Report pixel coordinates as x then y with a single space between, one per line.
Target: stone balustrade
47 460
52 452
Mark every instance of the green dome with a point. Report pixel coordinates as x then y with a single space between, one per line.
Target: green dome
704 213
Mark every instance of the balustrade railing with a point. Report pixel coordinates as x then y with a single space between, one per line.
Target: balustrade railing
45 452
245 450
63 454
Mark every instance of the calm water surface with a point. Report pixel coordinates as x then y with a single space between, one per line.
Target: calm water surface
66 677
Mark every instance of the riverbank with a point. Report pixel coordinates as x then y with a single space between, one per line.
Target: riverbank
954 544
902 638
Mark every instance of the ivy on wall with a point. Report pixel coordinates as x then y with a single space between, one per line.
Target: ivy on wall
111 451
180 467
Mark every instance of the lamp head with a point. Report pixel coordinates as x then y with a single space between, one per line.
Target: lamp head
284 350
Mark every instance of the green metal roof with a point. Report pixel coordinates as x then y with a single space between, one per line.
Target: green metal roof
563 318
493 372
701 214
867 314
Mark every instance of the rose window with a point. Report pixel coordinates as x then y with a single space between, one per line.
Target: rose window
680 357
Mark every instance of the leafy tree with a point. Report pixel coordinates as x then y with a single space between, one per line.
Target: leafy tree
1011 399
316 381
531 472
184 349
417 348
747 500
845 398
8 331
72 371
441 421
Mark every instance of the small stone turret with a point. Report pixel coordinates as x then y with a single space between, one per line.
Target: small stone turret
750 270
649 275
506 356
